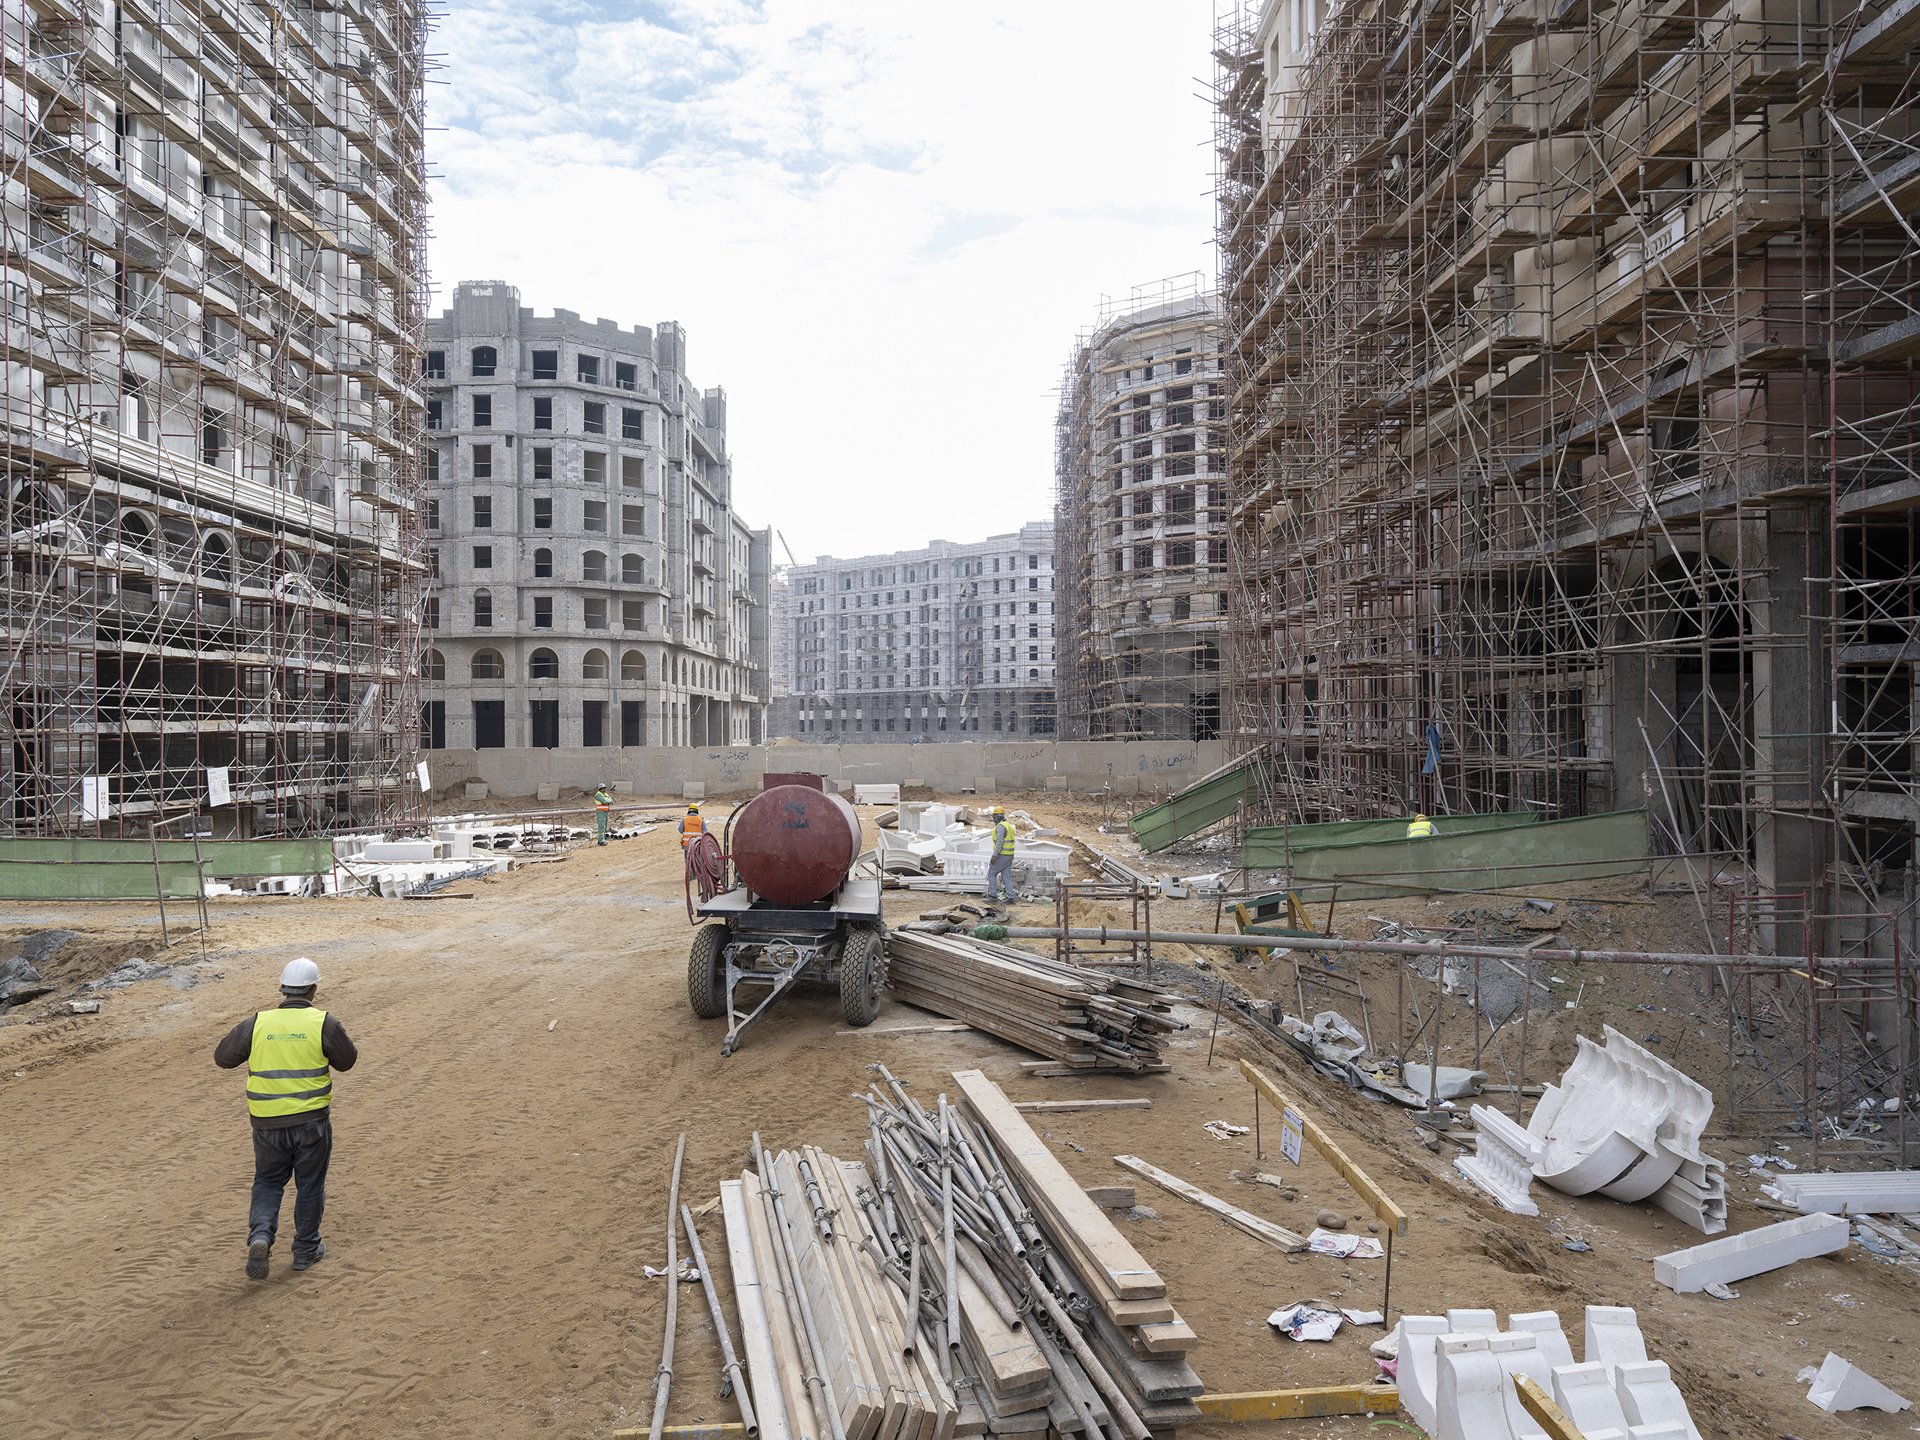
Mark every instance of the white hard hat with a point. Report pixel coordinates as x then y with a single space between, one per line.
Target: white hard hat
301 974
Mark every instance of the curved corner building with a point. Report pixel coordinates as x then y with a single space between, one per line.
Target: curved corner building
1139 476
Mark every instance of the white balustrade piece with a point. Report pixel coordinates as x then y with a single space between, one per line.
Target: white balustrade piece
1503 1160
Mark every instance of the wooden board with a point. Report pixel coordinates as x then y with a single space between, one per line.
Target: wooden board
1081 1226
1275 1235
1061 1107
1377 1200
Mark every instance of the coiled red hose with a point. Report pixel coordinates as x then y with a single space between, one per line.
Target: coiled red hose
706 871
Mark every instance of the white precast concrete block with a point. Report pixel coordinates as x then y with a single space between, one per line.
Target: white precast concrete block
398 852
1473 1322
1502 1161
1658 1432
1735 1257
876 794
1650 1398
1842 1385
1586 1394
1613 1336
1869 1192
1416 1340
1518 1353
1545 1327
1468 1403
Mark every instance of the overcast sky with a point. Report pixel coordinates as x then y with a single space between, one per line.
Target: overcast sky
882 223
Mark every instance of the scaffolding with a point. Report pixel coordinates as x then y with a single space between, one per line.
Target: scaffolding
1140 444
1570 353
214 269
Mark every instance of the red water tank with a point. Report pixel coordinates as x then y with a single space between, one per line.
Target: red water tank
794 845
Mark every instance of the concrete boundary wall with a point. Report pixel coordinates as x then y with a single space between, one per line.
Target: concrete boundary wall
1144 767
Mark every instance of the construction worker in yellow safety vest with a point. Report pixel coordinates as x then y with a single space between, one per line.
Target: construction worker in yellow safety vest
692 827
1000 857
289 1052
602 811
1419 828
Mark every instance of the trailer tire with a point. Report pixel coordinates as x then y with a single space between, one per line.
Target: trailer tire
707 973
862 974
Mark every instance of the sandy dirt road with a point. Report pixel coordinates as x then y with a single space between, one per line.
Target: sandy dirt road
498 1185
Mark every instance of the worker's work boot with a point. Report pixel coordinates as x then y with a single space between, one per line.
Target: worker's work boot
302 1262
257 1259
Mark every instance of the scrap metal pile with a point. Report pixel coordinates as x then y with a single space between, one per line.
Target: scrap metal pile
955 1281
1085 1019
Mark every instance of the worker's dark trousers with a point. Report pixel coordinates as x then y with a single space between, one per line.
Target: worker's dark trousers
299 1152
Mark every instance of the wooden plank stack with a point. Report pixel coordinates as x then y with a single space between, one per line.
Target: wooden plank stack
1084 1019
859 1316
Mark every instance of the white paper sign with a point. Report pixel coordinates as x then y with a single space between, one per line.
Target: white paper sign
96 797
426 785
1293 1133
219 786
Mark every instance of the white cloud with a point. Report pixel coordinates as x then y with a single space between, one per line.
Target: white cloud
882 224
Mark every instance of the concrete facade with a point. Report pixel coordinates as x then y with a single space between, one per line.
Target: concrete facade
593 585
946 643
1140 521
1143 768
212 236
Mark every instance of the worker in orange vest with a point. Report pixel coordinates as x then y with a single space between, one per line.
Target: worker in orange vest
691 827
602 811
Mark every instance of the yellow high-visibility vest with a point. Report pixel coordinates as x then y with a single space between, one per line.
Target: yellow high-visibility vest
1419 829
1003 839
287 1071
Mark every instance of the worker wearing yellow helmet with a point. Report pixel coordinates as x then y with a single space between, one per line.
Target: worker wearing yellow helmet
1419 828
1000 858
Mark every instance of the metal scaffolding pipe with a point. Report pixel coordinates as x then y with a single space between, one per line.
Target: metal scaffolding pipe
1453 948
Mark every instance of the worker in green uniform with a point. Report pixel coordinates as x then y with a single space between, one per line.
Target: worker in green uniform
602 812
289 1052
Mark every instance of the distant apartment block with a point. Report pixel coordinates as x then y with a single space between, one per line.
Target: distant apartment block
949 642
1140 488
592 583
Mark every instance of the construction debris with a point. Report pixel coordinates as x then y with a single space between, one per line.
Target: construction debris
1085 1019
933 1288
1276 1235
1842 1385
1870 1192
1735 1257
1626 1124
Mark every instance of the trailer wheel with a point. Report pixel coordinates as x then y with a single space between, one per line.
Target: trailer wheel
706 973
862 975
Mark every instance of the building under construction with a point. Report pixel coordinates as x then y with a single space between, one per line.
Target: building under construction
1571 356
1139 473
213 256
